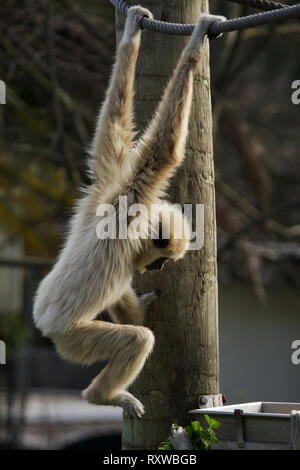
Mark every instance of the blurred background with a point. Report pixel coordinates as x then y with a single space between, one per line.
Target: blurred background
55 58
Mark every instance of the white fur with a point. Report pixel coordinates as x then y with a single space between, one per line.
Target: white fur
91 274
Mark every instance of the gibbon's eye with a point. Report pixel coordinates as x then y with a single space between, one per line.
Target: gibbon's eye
156 265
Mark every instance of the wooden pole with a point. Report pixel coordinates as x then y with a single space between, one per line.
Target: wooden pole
184 363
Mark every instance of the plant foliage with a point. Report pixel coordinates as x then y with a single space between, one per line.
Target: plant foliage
201 438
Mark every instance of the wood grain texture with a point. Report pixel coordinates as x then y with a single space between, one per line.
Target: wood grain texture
184 363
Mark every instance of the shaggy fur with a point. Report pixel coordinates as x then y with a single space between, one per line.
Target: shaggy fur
91 275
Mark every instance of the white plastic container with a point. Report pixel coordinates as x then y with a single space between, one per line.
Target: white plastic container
256 425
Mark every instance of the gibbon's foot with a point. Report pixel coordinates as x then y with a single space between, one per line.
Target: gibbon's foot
131 405
134 16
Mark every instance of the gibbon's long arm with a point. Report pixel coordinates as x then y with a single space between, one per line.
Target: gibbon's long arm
130 309
161 148
114 133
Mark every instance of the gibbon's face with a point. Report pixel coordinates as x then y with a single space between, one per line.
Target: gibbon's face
156 252
160 253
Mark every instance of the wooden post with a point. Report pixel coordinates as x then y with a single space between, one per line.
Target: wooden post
184 363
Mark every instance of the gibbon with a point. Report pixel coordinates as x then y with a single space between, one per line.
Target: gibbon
90 274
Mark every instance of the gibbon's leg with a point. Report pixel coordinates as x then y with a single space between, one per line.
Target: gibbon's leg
131 309
114 133
125 346
161 148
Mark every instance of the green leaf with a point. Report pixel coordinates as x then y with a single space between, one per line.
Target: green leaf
207 419
214 424
189 429
166 445
196 426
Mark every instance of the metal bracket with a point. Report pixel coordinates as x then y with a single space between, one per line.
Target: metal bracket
239 424
211 401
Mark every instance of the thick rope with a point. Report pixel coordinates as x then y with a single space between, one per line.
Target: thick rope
217 28
265 5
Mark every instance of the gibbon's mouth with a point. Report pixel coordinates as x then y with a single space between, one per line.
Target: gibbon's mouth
156 265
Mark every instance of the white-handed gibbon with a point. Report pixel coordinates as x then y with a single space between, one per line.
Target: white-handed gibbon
93 274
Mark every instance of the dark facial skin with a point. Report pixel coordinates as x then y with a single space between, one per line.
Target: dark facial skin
156 265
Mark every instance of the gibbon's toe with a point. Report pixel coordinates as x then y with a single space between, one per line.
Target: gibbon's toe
131 405
134 408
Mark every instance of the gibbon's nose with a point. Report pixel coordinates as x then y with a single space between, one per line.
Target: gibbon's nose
156 265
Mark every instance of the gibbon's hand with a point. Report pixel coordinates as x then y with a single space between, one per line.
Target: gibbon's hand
206 20
194 46
134 16
147 298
